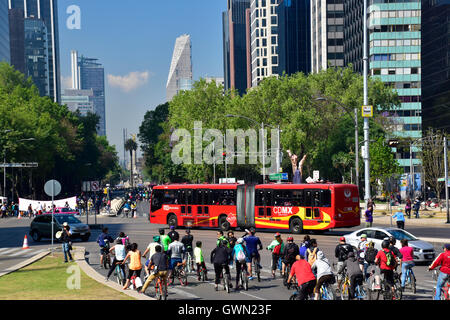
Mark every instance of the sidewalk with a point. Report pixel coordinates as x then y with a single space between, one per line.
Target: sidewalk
79 254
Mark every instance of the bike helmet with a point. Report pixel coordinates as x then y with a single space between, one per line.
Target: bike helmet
385 244
240 240
290 239
156 238
277 235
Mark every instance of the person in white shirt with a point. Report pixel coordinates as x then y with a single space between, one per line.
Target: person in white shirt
120 253
324 273
151 249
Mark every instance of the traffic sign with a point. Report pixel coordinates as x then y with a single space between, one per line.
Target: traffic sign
367 111
19 165
278 176
52 188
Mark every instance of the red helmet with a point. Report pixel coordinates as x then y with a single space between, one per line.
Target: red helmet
290 239
277 235
342 239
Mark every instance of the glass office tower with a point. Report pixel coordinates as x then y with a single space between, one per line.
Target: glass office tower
5 54
395 58
436 64
180 73
235 24
294 28
45 11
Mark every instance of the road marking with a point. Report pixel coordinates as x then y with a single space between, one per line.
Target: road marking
183 293
10 250
18 253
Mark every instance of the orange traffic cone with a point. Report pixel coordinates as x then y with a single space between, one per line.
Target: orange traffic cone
19 216
25 243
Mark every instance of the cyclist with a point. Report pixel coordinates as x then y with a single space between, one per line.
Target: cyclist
305 245
354 273
407 260
387 262
291 250
253 244
119 255
362 247
221 238
175 252
442 260
172 233
135 266
151 249
277 248
369 264
199 259
220 258
133 209
241 256
127 208
324 273
312 250
341 253
231 239
305 277
187 240
160 264
393 248
165 240
103 241
124 238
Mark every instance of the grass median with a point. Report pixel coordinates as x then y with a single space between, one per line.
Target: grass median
52 279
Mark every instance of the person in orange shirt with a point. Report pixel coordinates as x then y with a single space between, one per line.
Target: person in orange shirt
135 263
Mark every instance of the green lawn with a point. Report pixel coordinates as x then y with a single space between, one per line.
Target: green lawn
52 279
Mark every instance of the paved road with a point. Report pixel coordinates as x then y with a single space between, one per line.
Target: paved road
141 232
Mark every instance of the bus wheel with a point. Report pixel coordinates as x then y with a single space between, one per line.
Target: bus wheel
296 226
172 220
224 225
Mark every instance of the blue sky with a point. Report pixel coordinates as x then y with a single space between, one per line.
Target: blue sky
134 40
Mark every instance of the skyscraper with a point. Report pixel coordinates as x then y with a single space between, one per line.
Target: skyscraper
88 74
436 64
4 33
79 100
294 30
180 73
236 24
327 34
45 11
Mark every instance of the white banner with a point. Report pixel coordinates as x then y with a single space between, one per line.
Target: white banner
36 204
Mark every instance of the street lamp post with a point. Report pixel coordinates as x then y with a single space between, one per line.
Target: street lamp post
366 102
446 179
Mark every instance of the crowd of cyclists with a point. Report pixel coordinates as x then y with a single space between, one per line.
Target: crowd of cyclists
358 271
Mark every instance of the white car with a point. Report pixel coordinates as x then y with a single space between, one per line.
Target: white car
423 251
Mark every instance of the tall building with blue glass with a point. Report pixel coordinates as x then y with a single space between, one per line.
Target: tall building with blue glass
4 32
28 49
89 74
395 58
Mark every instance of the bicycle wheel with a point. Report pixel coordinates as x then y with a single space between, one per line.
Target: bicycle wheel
344 290
327 292
413 282
182 276
226 284
244 280
360 292
158 294
398 294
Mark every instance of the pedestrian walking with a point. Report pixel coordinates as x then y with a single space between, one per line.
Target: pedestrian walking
66 242
369 217
408 208
417 207
400 219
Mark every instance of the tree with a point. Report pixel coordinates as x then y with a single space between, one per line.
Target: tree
131 146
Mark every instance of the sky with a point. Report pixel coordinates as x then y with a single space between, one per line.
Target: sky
134 40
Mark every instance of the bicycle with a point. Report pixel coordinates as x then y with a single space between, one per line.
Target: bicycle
226 282
388 291
445 289
179 272
119 273
287 271
106 256
327 292
243 277
360 292
189 262
410 280
256 268
296 294
160 289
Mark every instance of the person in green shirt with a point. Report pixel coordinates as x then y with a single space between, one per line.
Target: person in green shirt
221 237
165 239
277 248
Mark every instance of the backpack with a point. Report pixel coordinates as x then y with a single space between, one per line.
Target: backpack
343 252
371 253
303 251
277 249
241 256
292 251
390 259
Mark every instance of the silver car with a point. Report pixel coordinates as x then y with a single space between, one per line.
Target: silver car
423 251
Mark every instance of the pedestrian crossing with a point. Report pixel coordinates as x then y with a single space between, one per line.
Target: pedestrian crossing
18 252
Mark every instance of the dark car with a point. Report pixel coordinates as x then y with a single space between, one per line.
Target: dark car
41 227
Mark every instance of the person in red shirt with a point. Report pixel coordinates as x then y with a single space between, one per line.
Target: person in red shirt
442 260
305 277
382 260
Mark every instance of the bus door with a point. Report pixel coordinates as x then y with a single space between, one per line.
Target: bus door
318 199
185 200
202 207
264 206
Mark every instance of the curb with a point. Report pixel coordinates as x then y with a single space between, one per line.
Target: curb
79 257
25 263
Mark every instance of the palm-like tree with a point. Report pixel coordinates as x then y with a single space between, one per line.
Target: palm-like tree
130 146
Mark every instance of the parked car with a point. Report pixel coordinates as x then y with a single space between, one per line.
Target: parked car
41 227
423 251
66 210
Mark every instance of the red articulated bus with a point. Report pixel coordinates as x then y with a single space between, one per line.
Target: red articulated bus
293 207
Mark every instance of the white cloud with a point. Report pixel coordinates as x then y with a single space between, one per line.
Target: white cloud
130 82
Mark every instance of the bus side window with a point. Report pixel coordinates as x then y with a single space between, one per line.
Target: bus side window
326 198
259 198
307 199
316 198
